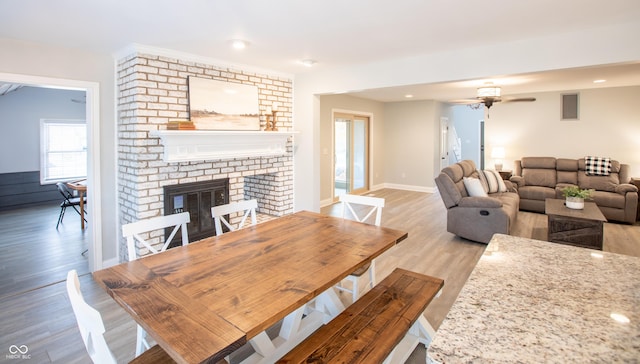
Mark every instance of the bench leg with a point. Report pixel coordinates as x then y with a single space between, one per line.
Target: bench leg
426 331
420 332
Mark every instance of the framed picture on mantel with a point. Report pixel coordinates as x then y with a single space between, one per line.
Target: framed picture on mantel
219 105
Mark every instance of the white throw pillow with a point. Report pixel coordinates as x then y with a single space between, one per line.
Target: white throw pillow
494 181
474 187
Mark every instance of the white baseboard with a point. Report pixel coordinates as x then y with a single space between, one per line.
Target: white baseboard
407 188
381 186
325 203
110 262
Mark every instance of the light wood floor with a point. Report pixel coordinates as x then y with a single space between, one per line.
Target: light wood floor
43 320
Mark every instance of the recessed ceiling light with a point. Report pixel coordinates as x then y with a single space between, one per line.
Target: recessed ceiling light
308 62
599 81
408 96
239 44
620 318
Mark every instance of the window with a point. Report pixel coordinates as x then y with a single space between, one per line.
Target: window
63 150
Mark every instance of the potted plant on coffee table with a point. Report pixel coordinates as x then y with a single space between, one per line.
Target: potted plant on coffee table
575 196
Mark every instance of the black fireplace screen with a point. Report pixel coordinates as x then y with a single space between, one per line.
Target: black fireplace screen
197 198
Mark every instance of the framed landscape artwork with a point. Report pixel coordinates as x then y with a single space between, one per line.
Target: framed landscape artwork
219 105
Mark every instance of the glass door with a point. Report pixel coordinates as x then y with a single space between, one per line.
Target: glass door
351 154
342 173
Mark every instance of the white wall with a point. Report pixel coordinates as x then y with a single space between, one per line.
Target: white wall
609 126
20 114
411 130
32 60
597 46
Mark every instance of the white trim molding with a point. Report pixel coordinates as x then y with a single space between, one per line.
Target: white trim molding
195 145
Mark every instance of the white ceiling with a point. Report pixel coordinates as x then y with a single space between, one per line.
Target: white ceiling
335 33
521 85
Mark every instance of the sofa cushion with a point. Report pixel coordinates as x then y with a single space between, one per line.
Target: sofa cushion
609 199
536 192
567 171
454 172
468 167
600 183
564 164
538 162
567 177
539 177
510 204
486 202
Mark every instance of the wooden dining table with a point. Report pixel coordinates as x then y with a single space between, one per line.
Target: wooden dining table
203 301
81 187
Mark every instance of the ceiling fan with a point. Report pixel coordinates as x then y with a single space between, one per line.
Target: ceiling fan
489 94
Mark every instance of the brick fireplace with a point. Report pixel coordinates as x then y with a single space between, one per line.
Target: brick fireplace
153 90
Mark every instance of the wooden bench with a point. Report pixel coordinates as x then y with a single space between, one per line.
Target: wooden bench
384 326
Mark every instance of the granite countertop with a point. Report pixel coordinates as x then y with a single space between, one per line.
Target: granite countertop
532 301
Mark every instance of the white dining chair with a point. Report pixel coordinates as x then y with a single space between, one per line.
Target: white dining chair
246 207
132 232
362 209
92 329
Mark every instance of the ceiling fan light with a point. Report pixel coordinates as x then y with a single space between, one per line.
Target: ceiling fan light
489 91
239 44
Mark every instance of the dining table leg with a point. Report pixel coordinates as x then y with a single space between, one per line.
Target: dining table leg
81 195
295 327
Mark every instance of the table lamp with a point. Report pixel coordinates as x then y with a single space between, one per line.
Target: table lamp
497 153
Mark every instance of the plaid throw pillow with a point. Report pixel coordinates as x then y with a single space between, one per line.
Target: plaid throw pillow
597 166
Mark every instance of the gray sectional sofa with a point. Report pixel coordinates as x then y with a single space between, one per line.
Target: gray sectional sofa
475 218
538 178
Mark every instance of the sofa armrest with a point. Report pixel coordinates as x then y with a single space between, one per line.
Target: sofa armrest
486 202
623 188
517 180
511 187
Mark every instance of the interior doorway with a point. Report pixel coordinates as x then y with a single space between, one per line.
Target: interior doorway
481 133
92 92
350 154
444 142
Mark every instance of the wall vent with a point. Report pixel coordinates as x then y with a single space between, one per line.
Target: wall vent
570 106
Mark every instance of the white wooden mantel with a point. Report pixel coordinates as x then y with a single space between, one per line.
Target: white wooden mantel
197 145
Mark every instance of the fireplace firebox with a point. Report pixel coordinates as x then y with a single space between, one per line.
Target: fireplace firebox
197 198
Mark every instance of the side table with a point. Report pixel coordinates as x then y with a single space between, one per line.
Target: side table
636 182
507 174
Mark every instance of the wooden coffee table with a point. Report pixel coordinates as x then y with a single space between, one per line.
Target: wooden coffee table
575 227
